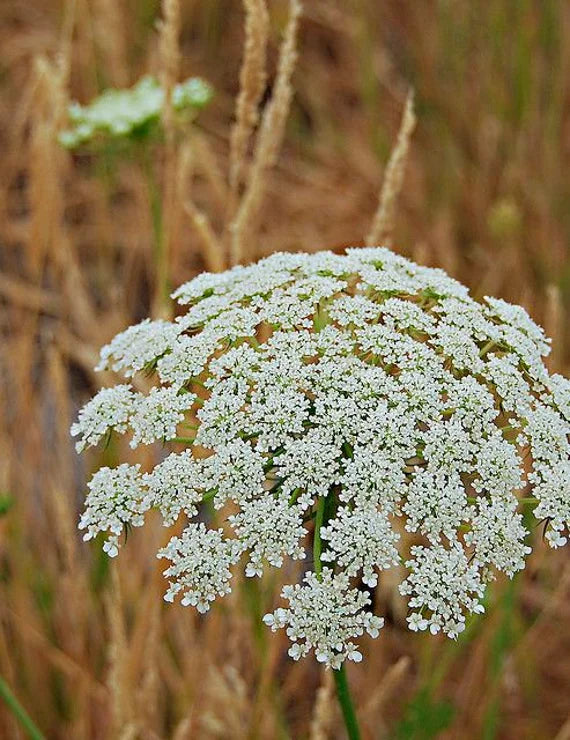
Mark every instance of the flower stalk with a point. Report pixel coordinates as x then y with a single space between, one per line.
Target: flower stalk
346 704
341 681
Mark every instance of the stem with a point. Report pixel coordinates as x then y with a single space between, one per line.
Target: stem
486 348
342 688
345 701
317 536
19 712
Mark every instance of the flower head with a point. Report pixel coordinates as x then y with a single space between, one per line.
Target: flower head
132 113
356 412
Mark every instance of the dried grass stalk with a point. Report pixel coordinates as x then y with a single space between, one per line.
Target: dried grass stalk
211 247
383 222
169 57
150 683
252 83
46 204
268 141
325 708
119 674
169 69
207 164
564 732
110 34
555 325
391 682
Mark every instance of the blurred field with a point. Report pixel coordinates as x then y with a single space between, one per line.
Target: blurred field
90 650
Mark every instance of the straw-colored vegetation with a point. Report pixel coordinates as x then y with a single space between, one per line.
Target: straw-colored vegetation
91 243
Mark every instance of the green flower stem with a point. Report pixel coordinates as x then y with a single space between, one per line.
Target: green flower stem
341 681
19 712
528 500
317 544
486 348
294 496
345 701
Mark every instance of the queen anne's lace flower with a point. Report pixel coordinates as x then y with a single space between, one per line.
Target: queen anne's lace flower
115 500
109 410
175 485
361 539
324 615
360 409
270 528
138 346
200 570
157 415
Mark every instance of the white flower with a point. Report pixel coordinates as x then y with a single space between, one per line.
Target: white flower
133 349
560 390
472 404
499 467
447 448
436 504
327 404
222 418
548 433
235 472
110 409
187 358
406 315
269 528
372 475
552 489
309 463
498 535
458 345
157 415
275 414
115 500
517 317
200 570
504 375
176 484
361 539
356 310
325 615
416 622
443 582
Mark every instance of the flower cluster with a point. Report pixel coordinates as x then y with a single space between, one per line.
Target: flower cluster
358 410
131 113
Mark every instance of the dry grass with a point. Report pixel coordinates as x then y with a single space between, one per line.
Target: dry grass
89 650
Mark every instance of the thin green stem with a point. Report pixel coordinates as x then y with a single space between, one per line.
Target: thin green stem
294 496
530 500
19 712
342 688
317 544
345 701
486 348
